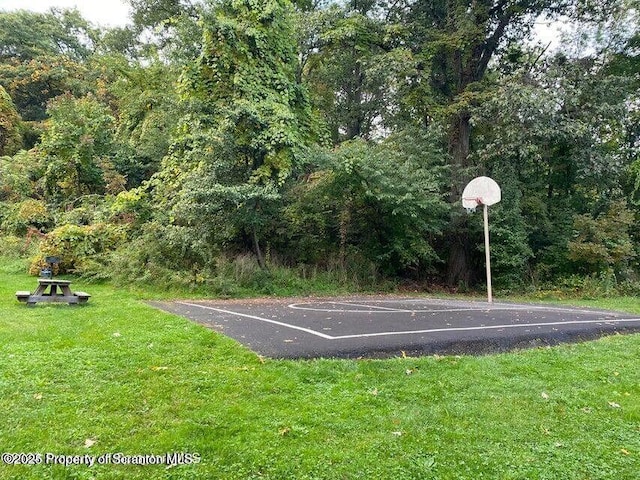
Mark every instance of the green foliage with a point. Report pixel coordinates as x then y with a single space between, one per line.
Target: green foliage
603 243
27 214
25 35
556 133
146 102
347 66
10 137
246 77
77 148
202 130
11 246
20 176
32 83
170 27
378 201
131 207
510 251
247 119
81 249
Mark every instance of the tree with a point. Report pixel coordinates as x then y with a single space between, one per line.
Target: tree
247 119
145 101
170 28
377 202
454 43
33 83
602 244
26 35
77 148
10 137
342 48
41 57
559 129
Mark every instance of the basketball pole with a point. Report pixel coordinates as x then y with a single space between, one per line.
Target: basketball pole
486 251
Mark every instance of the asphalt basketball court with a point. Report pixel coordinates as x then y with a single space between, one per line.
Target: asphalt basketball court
374 327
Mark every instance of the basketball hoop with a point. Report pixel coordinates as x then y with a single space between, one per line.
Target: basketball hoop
486 192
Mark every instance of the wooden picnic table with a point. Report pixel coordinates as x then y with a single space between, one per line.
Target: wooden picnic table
53 290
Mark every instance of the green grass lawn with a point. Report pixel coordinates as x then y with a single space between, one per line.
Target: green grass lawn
119 376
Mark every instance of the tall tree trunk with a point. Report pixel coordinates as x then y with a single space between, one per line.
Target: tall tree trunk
459 270
256 246
345 220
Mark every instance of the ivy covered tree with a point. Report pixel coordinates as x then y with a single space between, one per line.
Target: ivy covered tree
248 120
10 137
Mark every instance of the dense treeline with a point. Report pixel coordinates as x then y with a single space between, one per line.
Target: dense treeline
224 141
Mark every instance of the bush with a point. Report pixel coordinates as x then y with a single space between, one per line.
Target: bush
577 286
381 202
25 215
20 176
11 246
603 243
81 249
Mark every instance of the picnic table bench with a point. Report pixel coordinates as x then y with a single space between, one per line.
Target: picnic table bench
58 291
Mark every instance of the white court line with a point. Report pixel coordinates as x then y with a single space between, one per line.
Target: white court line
295 327
483 305
368 306
409 332
297 306
490 327
473 308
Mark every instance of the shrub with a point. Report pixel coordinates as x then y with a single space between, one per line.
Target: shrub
79 247
603 243
24 215
11 246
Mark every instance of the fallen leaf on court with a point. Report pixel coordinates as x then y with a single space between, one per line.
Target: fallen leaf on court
117 334
374 392
614 405
404 354
284 431
37 396
559 445
615 374
89 443
409 371
397 434
545 395
155 369
625 451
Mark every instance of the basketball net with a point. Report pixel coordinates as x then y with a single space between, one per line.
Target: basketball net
478 201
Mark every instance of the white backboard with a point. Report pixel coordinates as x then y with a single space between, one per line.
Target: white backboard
481 191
